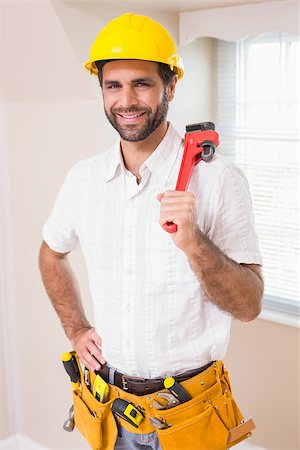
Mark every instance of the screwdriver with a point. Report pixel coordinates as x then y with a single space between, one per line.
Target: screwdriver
71 367
176 389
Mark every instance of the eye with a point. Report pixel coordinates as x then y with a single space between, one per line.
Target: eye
142 84
112 86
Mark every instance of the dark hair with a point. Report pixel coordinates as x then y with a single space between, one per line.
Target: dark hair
165 73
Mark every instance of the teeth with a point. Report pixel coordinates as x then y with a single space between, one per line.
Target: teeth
131 117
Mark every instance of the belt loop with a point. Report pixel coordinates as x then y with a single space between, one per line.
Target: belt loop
111 375
124 383
220 369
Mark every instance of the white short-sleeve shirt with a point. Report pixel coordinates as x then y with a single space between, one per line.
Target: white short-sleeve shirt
150 309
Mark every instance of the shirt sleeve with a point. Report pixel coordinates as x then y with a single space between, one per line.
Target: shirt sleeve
58 231
232 220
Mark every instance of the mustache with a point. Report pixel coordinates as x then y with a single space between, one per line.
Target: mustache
130 110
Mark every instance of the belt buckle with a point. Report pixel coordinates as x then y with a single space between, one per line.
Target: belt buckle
127 379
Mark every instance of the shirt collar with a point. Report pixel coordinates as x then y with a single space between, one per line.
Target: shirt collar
160 162
114 161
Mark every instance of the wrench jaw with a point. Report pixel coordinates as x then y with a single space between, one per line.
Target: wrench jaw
208 151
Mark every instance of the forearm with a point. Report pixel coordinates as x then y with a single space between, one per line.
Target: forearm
63 291
233 287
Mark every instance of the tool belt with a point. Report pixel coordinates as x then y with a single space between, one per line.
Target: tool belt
210 420
142 386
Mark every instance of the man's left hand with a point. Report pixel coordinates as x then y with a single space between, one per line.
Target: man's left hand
179 207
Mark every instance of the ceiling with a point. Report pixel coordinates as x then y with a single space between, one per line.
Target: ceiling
171 5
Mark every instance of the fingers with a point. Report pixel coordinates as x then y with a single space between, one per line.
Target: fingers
177 207
87 345
174 196
96 338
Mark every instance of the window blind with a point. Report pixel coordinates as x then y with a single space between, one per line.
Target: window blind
258 118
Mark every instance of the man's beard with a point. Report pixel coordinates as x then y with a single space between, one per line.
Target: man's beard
131 132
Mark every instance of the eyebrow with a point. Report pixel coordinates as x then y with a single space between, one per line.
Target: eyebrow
134 81
143 79
107 82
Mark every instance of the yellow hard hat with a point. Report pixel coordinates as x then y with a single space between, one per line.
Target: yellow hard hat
132 36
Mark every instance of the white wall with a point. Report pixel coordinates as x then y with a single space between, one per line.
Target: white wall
263 359
194 100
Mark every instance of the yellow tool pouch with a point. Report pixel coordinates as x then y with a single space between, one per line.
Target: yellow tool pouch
94 420
211 420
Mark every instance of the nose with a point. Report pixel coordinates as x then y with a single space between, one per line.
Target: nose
127 97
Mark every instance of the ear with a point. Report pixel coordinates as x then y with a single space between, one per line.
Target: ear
171 88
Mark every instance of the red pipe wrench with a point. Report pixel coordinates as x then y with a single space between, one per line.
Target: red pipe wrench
200 143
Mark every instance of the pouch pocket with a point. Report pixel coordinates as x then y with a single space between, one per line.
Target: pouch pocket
88 425
192 408
225 409
202 423
204 431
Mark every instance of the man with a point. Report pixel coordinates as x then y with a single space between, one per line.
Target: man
162 302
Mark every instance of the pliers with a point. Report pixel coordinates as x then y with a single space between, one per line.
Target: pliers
158 423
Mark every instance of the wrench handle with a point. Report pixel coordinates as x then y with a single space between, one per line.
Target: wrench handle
170 227
200 143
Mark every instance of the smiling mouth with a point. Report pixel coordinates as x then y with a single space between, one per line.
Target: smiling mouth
131 116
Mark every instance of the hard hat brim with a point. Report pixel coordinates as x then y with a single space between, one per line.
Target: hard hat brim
177 69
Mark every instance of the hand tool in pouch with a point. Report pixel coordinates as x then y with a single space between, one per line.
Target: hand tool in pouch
127 411
170 401
158 423
71 367
87 378
69 423
100 389
200 143
177 390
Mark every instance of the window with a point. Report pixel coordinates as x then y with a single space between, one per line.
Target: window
257 104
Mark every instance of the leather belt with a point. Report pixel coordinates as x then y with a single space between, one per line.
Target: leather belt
142 386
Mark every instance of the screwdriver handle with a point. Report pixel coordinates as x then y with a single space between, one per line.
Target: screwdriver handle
71 367
177 390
